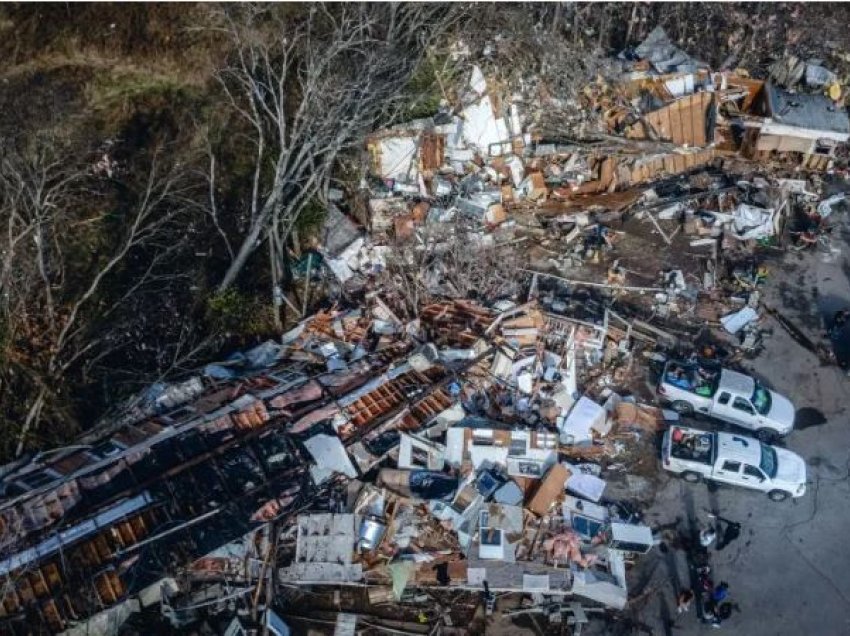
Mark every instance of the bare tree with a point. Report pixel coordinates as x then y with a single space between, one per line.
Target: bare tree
310 85
55 311
455 260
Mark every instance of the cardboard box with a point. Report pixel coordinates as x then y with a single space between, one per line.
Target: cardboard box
495 214
550 491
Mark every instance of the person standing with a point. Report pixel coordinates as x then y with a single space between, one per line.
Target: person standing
683 602
720 593
714 613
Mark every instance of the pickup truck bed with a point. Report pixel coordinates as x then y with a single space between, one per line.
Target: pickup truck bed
735 460
727 395
694 447
691 378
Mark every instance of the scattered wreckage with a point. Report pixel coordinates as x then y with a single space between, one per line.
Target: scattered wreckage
420 434
334 458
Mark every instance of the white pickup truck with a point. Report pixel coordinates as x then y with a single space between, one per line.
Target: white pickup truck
727 395
733 459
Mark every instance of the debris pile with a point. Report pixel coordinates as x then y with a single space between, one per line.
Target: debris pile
453 452
471 411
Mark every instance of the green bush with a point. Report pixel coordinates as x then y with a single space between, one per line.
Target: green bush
233 313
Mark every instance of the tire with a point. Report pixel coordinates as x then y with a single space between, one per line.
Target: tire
766 435
691 477
682 408
778 495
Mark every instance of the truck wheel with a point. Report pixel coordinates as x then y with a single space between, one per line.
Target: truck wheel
778 495
691 477
765 435
682 408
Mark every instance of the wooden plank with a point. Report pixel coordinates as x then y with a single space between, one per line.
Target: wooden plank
682 116
52 616
102 546
52 575
697 131
640 324
39 585
25 591
11 601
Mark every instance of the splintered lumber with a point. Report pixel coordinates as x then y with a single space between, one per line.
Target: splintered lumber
571 281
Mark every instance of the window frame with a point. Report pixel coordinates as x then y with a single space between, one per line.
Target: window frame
749 410
756 472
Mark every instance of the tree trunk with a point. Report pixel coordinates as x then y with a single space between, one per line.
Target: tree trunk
245 250
277 292
556 21
632 21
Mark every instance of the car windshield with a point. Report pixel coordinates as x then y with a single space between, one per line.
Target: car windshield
761 399
768 461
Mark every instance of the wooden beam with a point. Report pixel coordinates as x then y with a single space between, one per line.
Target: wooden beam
591 284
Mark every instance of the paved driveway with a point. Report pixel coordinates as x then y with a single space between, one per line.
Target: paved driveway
790 569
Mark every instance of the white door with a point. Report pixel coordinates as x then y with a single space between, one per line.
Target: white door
735 409
752 477
728 471
722 408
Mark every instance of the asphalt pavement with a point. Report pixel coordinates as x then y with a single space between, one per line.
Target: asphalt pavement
789 571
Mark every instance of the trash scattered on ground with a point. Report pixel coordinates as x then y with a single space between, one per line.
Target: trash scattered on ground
467 408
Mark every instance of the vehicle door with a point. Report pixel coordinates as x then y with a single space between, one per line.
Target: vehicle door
744 413
727 471
753 477
736 409
722 407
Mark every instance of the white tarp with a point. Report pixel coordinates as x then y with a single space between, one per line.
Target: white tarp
478 83
585 416
733 323
679 86
398 158
750 222
480 127
329 455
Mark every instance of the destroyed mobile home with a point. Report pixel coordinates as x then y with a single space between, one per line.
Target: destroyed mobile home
426 434
393 465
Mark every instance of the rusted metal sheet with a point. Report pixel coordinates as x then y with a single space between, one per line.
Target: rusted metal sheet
431 151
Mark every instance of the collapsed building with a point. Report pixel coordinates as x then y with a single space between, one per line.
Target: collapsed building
480 446
667 96
463 437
